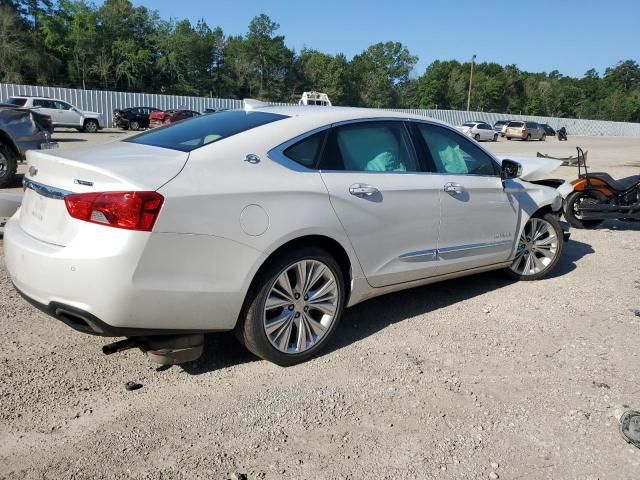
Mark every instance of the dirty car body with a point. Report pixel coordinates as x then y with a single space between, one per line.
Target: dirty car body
20 130
269 221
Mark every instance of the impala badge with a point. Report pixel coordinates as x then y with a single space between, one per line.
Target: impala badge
33 171
83 182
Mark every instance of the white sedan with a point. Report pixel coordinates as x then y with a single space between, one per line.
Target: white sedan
480 131
268 221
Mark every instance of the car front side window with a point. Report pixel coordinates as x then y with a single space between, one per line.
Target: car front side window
452 153
380 146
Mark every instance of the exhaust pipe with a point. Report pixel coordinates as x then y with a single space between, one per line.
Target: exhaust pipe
119 346
162 349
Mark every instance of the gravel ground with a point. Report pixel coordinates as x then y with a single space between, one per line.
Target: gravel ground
473 378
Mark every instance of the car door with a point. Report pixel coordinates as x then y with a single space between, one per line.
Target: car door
478 218
486 132
47 107
388 206
68 115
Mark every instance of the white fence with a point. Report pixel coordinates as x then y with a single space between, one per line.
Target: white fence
105 102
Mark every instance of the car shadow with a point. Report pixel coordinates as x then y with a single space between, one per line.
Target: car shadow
69 140
223 350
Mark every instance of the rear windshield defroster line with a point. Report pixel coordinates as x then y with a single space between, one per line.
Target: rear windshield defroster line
197 132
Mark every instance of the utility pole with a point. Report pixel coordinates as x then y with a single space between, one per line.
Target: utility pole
473 59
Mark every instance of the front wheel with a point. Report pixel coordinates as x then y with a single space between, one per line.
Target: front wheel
294 307
134 126
539 248
8 165
91 126
543 137
572 210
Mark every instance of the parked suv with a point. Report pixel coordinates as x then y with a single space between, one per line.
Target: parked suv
62 114
133 118
525 131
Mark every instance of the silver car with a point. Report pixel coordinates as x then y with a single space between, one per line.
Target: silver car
268 221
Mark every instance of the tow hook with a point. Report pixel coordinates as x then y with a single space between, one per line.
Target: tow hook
162 349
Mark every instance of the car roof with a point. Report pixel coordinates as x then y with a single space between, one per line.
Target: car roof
337 114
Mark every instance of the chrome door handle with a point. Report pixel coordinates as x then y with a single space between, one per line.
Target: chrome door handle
362 190
453 188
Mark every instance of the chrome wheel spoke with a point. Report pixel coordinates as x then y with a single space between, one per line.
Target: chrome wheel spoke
301 306
537 248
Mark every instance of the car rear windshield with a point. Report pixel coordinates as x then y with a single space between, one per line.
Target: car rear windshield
516 124
19 102
200 131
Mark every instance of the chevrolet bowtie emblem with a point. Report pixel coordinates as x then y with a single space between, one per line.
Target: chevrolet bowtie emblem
33 171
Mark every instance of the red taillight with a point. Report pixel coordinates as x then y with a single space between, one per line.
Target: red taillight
129 210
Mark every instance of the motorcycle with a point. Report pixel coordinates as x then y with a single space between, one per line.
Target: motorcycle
595 196
562 134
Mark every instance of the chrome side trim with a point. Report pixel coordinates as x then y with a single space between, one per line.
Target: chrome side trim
475 246
45 190
435 254
420 256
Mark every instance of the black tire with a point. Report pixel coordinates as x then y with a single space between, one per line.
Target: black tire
250 330
495 137
477 137
91 126
555 223
543 137
528 137
570 208
509 138
8 164
134 125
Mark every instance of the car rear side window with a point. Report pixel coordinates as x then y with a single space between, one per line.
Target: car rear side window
19 102
382 146
307 150
201 131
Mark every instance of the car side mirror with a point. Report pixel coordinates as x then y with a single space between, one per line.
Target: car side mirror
510 169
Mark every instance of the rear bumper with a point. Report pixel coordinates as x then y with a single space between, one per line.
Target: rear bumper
115 282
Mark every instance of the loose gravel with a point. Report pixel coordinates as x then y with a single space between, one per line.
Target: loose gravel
477 378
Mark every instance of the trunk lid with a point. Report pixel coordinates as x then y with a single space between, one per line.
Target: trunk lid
117 166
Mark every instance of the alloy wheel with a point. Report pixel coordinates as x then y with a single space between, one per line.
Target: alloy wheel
537 248
4 165
301 306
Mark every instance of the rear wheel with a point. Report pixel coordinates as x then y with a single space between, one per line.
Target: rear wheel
477 137
543 137
528 137
8 164
495 137
573 204
508 138
294 307
91 126
539 248
134 125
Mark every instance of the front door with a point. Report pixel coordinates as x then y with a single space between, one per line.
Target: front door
388 206
479 219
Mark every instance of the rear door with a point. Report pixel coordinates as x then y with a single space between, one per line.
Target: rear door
478 218
388 206
47 107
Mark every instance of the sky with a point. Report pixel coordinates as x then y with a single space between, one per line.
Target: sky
570 36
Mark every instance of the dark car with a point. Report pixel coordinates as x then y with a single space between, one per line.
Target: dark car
157 119
21 129
548 130
133 118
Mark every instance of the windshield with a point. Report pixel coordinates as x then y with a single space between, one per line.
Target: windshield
19 102
200 131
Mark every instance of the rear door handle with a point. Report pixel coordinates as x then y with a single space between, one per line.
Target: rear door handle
453 188
362 190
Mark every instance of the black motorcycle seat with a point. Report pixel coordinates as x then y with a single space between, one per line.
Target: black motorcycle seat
619 185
